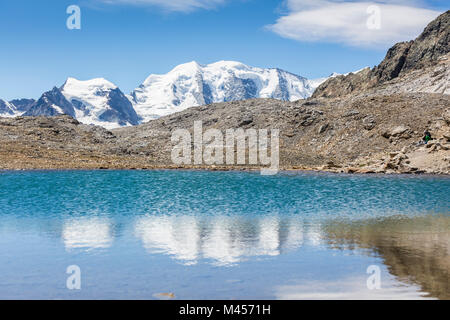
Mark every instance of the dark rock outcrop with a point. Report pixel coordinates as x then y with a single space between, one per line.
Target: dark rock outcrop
51 103
433 43
121 111
393 64
23 105
5 108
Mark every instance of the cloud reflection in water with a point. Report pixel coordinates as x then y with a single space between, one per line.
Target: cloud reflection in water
87 233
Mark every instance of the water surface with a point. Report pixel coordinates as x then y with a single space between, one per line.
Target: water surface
223 235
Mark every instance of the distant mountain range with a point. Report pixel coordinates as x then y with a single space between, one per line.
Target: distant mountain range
100 102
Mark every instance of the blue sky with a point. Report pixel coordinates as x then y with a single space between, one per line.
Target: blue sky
124 41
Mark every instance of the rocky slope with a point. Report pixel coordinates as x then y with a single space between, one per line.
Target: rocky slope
421 65
353 134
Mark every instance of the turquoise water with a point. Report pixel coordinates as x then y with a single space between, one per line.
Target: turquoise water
218 235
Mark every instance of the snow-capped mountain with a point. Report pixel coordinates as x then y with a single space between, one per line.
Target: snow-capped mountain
22 105
192 84
99 102
95 101
7 109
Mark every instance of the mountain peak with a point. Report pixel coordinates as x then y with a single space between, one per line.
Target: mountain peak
51 103
188 66
96 82
99 101
192 84
228 64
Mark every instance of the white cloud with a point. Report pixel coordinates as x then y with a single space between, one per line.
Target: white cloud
345 21
171 5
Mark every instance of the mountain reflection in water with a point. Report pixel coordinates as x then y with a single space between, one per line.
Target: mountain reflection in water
415 250
224 240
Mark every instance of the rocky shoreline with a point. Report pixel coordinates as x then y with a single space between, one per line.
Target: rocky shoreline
346 171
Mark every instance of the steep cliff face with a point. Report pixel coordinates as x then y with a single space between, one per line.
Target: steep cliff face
392 64
51 103
433 43
430 48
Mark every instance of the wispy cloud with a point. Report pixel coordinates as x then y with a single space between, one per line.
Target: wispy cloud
171 5
346 21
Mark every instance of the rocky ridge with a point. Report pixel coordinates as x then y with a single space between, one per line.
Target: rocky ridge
426 58
352 135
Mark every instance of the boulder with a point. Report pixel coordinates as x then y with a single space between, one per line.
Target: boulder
246 119
398 131
446 135
369 123
446 116
323 128
393 154
395 132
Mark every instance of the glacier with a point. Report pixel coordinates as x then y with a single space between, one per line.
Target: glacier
192 84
